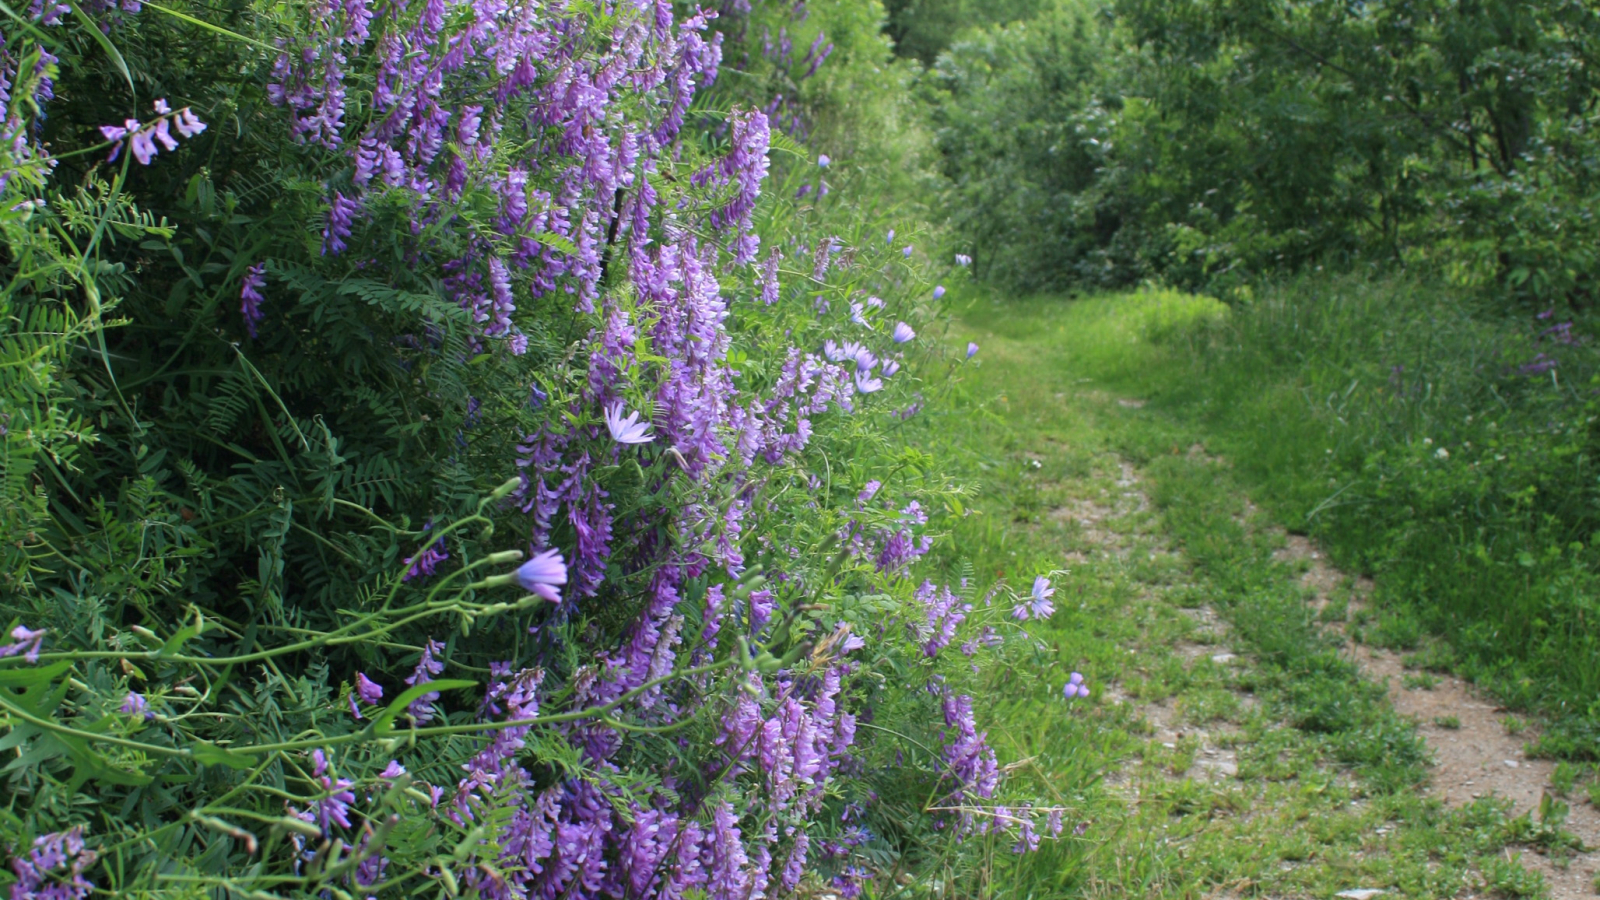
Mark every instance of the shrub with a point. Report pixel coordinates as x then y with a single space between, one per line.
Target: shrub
437 451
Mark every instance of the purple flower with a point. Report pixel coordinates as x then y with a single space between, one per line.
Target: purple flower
903 333
27 643
421 709
823 160
369 691
972 350
1039 604
542 575
143 146
906 252
889 238
250 297
1075 687
891 367
161 106
629 430
118 132
136 705
963 260
868 491
53 868
762 603
341 213
867 384
188 123
392 770
938 291
334 807
423 563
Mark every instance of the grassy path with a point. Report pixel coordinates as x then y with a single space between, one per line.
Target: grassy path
1241 741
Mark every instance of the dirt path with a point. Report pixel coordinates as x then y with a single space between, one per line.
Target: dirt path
1230 761
1474 755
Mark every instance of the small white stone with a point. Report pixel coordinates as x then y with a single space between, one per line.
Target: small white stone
1359 894
1221 658
1512 763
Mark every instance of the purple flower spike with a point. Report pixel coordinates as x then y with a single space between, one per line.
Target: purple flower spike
27 643
543 574
629 430
250 297
54 867
972 350
903 333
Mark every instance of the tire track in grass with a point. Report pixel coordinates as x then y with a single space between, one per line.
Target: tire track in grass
1184 611
1474 753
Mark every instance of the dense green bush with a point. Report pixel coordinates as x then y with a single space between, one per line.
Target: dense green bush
319 320
1212 142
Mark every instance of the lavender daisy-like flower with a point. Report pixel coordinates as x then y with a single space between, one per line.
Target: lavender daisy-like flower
972 350
27 643
250 297
1075 687
543 574
903 333
1039 604
938 291
867 384
629 430
891 367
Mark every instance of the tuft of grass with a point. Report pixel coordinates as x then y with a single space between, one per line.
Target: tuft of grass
1451 722
1419 681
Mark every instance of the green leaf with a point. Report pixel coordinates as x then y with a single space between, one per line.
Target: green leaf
209 754
384 722
93 30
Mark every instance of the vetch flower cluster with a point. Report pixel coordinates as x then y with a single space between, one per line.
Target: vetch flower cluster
141 138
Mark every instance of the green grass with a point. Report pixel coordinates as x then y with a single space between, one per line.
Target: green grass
1276 769
1390 421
